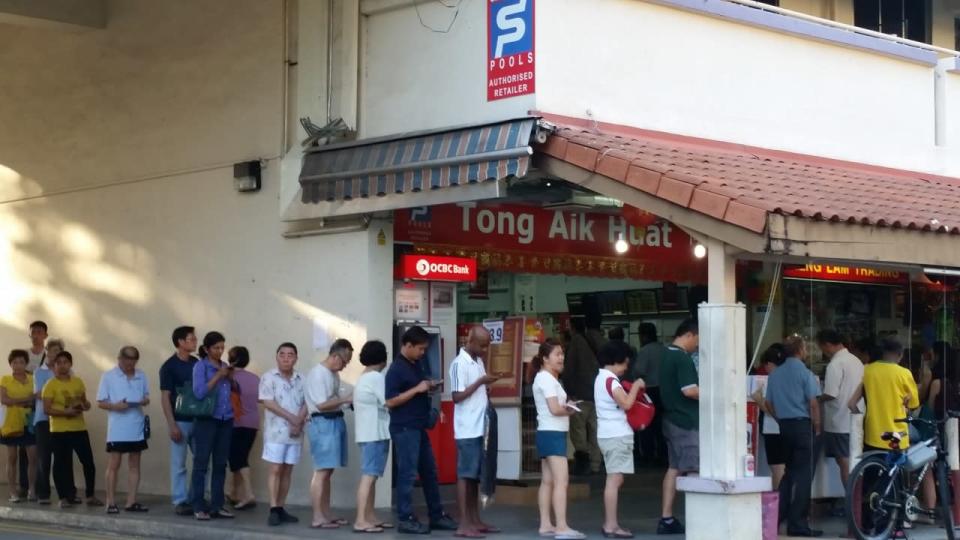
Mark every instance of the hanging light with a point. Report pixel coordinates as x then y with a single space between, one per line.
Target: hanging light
621 245
699 251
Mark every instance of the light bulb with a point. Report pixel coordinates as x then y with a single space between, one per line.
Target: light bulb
621 245
699 251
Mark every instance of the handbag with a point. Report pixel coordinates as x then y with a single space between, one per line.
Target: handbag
641 414
190 406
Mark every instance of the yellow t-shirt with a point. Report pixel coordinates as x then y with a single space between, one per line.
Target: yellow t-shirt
14 420
885 386
64 394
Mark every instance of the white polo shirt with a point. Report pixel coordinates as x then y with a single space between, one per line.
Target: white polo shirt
470 414
611 419
844 375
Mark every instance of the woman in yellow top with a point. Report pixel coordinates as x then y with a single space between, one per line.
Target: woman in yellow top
17 397
64 401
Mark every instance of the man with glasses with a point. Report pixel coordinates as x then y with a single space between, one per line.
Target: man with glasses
176 372
124 393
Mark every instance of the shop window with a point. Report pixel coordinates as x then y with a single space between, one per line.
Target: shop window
905 18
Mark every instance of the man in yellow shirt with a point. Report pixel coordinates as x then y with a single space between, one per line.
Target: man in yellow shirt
890 392
65 400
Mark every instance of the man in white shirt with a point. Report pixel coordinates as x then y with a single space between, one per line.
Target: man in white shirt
326 429
38 349
470 384
281 392
843 377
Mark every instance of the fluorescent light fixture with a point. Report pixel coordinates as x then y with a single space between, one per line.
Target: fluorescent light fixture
942 271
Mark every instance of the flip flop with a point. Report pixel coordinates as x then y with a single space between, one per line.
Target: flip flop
326 525
617 534
471 534
385 525
490 530
136 507
570 535
245 506
340 521
368 530
547 534
113 509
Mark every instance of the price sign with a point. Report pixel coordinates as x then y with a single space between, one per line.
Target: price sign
495 328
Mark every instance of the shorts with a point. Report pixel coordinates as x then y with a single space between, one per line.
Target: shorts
328 442
617 454
281 454
241 441
27 439
373 457
469 457
683 447
777 451
126 447
836 445
551 443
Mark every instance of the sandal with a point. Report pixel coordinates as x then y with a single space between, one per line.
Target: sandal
14 499
201 516
113 509
326 525
222 513
619 533
136 507
93 501
245 505
368 530
340 521
385 525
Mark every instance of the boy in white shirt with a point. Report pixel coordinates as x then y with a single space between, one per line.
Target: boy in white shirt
372 432
614 434
470 383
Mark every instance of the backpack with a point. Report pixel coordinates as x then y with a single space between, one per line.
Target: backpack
641 414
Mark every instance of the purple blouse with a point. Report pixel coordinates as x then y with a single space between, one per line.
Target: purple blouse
249 393
203 371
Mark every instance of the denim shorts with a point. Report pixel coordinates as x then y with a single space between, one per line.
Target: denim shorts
373 457
328 442
551 443
469 456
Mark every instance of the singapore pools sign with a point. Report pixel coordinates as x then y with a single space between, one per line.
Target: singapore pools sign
534 239
511 54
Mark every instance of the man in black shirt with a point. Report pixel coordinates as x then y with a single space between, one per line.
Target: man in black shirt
175 372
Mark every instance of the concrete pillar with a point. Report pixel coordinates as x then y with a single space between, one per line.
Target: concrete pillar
721 503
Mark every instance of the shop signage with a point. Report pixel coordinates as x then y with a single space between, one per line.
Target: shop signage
433 268
531 239
852 274
510 49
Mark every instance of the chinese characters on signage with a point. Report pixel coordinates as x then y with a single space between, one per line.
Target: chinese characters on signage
510 49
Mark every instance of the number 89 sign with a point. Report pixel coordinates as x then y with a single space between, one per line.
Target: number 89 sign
511 53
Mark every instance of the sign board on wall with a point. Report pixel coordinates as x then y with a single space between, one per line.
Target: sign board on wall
536 240
511 53
853 274
432 268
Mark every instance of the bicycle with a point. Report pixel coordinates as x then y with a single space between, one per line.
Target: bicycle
888 495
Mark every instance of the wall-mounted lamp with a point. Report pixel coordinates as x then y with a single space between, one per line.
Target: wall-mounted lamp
699 251
246 176
621 245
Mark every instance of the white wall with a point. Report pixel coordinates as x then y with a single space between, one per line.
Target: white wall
647 66
414 78
167 87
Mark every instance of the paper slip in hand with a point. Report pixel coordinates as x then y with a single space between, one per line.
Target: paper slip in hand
570 405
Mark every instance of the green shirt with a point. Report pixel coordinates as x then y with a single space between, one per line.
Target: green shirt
677 371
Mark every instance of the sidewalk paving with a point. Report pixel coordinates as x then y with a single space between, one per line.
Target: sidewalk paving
639 510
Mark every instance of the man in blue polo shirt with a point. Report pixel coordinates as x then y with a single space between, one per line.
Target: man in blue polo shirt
408 387
792 392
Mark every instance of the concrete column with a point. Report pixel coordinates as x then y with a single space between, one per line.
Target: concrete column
721 503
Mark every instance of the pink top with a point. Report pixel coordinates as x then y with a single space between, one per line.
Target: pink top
249 392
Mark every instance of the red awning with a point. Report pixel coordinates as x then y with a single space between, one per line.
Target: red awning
743 185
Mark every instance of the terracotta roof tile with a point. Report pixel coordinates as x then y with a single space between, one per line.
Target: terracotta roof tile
743 185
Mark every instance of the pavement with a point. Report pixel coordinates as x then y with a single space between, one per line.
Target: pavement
639 510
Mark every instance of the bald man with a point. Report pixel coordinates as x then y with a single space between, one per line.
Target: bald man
470 384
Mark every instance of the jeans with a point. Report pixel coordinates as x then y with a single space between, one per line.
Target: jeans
211 441
44 459
178 464
64 445
413 455
798 436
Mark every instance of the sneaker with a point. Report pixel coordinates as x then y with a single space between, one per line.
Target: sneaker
183 509
275 519
670 526
286 517
445 523
412 526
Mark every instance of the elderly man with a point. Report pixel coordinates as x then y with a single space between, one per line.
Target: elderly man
123 393
792 398
326 429
470 382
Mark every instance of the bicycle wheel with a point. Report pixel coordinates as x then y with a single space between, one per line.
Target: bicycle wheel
943 494
879 504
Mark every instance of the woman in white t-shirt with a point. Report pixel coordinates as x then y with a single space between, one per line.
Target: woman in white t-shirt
553 423
372 432
776 450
